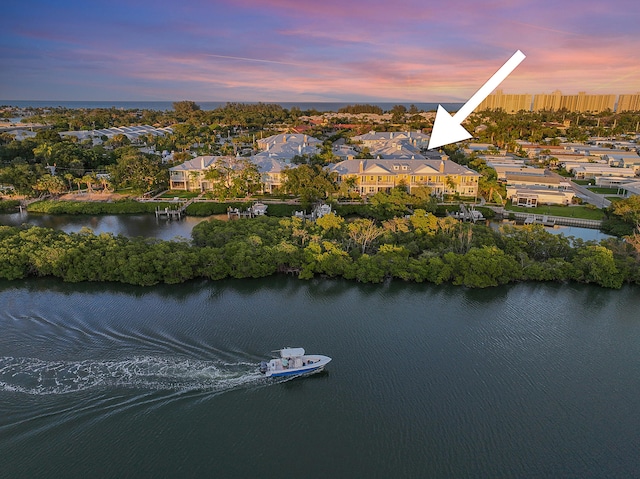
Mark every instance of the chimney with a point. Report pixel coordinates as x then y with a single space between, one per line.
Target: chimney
442 166
299 149
284 138
361 168
304 139
202 162
391 136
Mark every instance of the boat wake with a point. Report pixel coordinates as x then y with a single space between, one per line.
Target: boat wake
38 377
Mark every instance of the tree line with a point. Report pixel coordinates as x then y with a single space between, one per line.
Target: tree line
417 248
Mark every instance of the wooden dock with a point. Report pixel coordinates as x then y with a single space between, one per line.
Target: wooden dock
174 213
549 220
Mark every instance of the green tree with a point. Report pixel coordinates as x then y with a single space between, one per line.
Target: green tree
52 185
363 232
137 171
595 264
184 110
311 183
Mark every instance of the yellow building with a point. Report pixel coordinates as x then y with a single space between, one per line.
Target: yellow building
629 102
547 101
583 102
444 177
509 103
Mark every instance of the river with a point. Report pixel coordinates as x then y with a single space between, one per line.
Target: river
528 380
127 225
150 226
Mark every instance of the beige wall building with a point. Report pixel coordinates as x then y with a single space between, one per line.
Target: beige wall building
583 102
444 177
629 102
547 101
509 103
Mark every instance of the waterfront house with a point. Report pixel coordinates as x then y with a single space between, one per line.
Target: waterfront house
286 146
378 139
537 187
190 175
443 176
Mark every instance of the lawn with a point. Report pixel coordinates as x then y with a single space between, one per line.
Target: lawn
604 191
180 194
584 212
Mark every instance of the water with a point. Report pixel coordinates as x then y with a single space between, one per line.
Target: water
523 381
212 105
127 225
152 227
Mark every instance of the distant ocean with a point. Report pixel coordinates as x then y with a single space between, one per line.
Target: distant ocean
212 105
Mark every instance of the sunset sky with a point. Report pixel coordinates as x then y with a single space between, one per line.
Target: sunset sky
299 50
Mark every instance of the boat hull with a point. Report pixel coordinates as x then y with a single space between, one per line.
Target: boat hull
310 364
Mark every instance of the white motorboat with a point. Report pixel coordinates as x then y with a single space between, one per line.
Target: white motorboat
293 361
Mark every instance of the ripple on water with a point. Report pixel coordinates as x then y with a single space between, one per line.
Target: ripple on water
39 377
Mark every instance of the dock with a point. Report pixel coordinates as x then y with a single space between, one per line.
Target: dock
173 213
540 220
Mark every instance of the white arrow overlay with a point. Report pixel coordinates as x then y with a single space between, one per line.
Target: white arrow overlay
448 129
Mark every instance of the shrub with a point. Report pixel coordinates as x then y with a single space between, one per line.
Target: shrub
95 208
8 206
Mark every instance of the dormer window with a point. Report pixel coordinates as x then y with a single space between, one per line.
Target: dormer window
405 167
396 167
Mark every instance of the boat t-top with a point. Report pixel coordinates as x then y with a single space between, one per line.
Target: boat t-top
293 361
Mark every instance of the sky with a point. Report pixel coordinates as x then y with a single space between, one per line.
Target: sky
313 51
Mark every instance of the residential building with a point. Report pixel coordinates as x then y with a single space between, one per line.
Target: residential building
511 103
547 101
538 178
627 159
287 145
583 102
377 139
629 102
593 170
271 173
538 187
133 133
535 196
442 176
190 175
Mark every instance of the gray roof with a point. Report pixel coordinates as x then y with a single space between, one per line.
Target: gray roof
196 164
391 135
131 132
411 167
287 138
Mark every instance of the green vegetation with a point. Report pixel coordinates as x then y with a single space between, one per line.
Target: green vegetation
9 206
622 217
180 194
604 191
583 212
96 208
419 248
358 108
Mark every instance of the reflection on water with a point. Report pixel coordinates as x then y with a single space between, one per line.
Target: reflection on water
126 225
526 380
152 227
